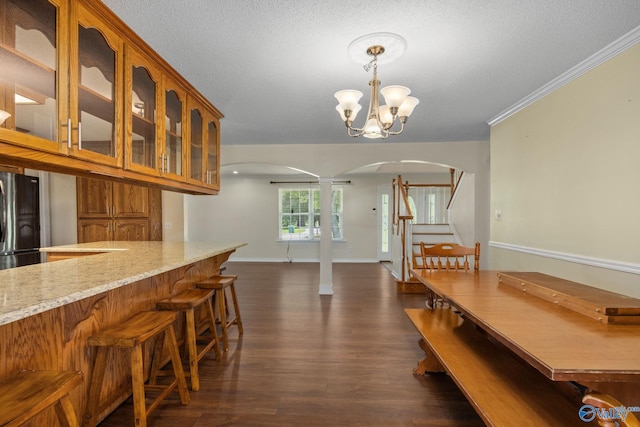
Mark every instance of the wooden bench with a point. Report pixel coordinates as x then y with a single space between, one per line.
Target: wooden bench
503 390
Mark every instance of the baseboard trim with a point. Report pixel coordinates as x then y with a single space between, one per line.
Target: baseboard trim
315 260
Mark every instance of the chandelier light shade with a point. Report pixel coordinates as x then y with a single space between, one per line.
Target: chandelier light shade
4 115
399 105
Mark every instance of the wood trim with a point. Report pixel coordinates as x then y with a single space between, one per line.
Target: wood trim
622 266
25 157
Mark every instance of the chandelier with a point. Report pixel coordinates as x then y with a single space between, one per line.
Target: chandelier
399 105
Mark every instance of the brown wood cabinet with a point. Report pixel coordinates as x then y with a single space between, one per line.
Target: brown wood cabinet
204 149
117 211
86 95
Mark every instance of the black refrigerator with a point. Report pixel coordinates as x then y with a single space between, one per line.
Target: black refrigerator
19 220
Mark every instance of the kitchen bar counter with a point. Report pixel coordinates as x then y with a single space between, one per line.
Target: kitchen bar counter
33 289
48 311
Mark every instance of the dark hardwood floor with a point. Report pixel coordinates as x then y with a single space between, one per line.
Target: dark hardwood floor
310 360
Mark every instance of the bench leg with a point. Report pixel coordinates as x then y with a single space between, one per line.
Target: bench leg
66 413
430 363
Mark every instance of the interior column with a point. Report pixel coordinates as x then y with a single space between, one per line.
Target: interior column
326 268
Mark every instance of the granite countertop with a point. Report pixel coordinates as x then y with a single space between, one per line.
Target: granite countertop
33 289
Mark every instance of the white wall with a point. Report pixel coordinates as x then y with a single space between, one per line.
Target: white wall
462 212
246 209
63 209
173 224
564 173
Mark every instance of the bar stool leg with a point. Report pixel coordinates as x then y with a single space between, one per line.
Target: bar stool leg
137 380
222 307
156 361
212 328
238 320
192 349
172 342
99 368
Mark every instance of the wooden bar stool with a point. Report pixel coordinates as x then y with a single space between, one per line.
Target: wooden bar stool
28 393
219 284
188 301
132 334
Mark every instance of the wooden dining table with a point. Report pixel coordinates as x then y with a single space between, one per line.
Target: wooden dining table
561 343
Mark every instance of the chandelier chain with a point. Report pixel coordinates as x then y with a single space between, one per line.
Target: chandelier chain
373 62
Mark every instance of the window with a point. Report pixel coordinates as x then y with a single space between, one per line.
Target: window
429 204
300 213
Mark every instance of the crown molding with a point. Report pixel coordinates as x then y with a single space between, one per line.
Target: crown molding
625 267
603 55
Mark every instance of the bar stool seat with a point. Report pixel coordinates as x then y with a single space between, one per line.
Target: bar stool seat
25 395
188 301
132 334
219 284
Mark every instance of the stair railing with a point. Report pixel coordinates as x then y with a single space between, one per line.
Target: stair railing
456 177
402 214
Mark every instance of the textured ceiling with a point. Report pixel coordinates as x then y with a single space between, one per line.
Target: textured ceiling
272 66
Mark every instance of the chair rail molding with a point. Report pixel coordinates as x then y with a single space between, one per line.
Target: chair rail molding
625 267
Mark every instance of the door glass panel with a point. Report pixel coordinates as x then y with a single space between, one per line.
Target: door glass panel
96 92
212 154
28 70
173 133
143 105
384 225
196 145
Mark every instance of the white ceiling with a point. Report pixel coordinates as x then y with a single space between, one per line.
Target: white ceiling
272 66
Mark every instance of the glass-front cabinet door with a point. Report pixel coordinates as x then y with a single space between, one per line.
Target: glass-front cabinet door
203 145
212 177
95 124
143 81
196 142
172 159
33 69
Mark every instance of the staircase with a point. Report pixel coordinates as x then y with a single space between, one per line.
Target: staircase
430 234
409 234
